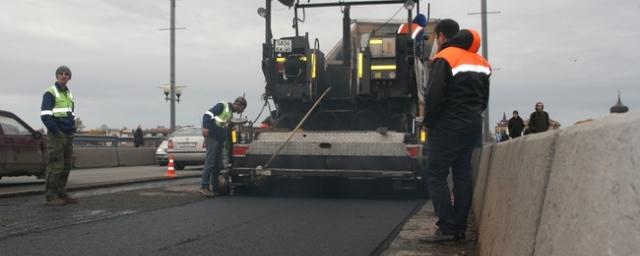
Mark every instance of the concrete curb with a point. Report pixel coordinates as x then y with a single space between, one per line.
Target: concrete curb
404 241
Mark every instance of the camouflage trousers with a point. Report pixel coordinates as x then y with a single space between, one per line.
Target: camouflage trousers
60 149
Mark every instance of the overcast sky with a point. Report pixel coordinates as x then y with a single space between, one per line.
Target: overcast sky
574 55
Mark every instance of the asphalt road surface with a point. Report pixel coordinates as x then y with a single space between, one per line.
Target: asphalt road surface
174 220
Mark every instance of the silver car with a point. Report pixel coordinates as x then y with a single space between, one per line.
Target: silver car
187 147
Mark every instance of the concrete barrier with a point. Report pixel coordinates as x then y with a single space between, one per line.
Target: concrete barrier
514 195
569 192
95 157
136 156
479 174
90 157
592 205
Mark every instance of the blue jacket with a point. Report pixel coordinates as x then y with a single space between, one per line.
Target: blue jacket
56 125
219 133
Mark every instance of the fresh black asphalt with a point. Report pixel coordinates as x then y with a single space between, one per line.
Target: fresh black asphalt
157 222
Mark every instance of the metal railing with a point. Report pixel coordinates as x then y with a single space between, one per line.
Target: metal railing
113 141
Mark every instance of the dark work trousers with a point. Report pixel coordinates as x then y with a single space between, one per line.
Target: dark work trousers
449 150
60 149
212 163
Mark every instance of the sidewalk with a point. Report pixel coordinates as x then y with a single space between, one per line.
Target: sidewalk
80 179
421 224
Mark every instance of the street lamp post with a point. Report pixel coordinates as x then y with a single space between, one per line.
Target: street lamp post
172 79
485 54
486 133
171 93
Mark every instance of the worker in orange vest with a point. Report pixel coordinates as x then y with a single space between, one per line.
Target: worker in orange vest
417 31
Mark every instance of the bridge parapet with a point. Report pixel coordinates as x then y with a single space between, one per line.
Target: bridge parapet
570 192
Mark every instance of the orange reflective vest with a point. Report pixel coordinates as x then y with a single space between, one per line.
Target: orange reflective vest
415 30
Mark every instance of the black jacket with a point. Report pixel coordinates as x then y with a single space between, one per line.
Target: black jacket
539 122
516 125
138 137
458 88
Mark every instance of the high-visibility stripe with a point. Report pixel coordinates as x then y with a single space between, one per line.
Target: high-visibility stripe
383 67
415 32
62 110
471 68
46 112
400 29
209 113
281 59
219 119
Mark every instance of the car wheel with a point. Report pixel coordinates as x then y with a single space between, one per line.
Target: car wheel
180 166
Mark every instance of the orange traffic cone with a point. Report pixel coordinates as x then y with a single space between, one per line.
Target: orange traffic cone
171 171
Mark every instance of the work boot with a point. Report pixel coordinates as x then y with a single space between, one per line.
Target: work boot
68 199
440 237
56 202
206 192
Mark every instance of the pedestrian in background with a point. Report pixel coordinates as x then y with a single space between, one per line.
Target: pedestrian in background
539 120
215 129
456 95
57 114
501 135
138 137
515 126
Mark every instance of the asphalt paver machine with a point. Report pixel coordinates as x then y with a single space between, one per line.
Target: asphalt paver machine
353 112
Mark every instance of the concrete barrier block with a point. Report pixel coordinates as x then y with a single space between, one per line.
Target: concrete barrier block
519 172
87 157
136 156
592 205
479 174
475 164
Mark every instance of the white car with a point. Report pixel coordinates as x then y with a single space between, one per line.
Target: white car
161 153
187 147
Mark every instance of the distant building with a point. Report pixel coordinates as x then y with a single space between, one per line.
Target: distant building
159 131
619 107
501 129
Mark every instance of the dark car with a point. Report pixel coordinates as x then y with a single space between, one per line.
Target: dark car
22 149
